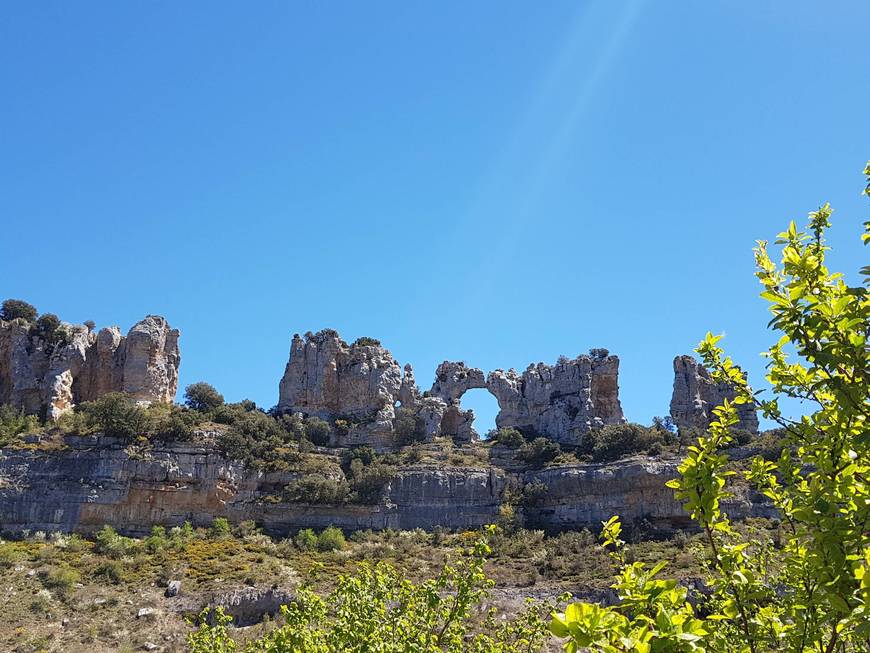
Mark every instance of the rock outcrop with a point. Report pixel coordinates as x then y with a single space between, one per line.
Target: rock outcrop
50 378
562 401
363 383
327 378
93 481
696 394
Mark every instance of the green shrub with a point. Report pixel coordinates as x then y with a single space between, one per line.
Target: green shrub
220 528
62 578
533 494
318 431
9 556
365 341
368 472
176 425
317 489
508 437
305 540
14 422
117 415
408 427
202 396
110 571
330 539
539 452
616 441
255 438
17 308
110 543
49 327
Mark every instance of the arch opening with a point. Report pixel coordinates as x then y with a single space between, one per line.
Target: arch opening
485 407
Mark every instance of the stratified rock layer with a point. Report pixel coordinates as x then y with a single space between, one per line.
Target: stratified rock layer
40 378
95 481
696 395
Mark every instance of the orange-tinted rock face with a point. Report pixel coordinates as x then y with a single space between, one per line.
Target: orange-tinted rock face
42 378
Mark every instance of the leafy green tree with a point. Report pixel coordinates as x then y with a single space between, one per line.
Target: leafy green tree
508 437
117 415
18 308
378 610
202 396
318 431
812 593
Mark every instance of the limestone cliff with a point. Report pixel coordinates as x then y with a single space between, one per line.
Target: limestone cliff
562 401
95 481
330 379
49 378
696 394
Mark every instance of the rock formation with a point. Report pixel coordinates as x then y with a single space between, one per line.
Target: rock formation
696 395
43 377
328 378
94 481
562 401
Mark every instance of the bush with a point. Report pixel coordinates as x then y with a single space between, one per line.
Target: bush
533 494
331 539
318 431
220 528
62 578
110 571
14 422
539 452
202 396
599 353
255 438
116 415
317 489
49 328
176 425
615 441
508 437
305 540
365 341
408 427
109 543
17 308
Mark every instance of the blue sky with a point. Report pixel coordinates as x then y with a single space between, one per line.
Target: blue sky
495 182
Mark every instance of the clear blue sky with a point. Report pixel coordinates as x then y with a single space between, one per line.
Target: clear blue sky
495 182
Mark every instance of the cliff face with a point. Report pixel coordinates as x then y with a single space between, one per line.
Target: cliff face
562 401
696 395
96 481
332 380
39 377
